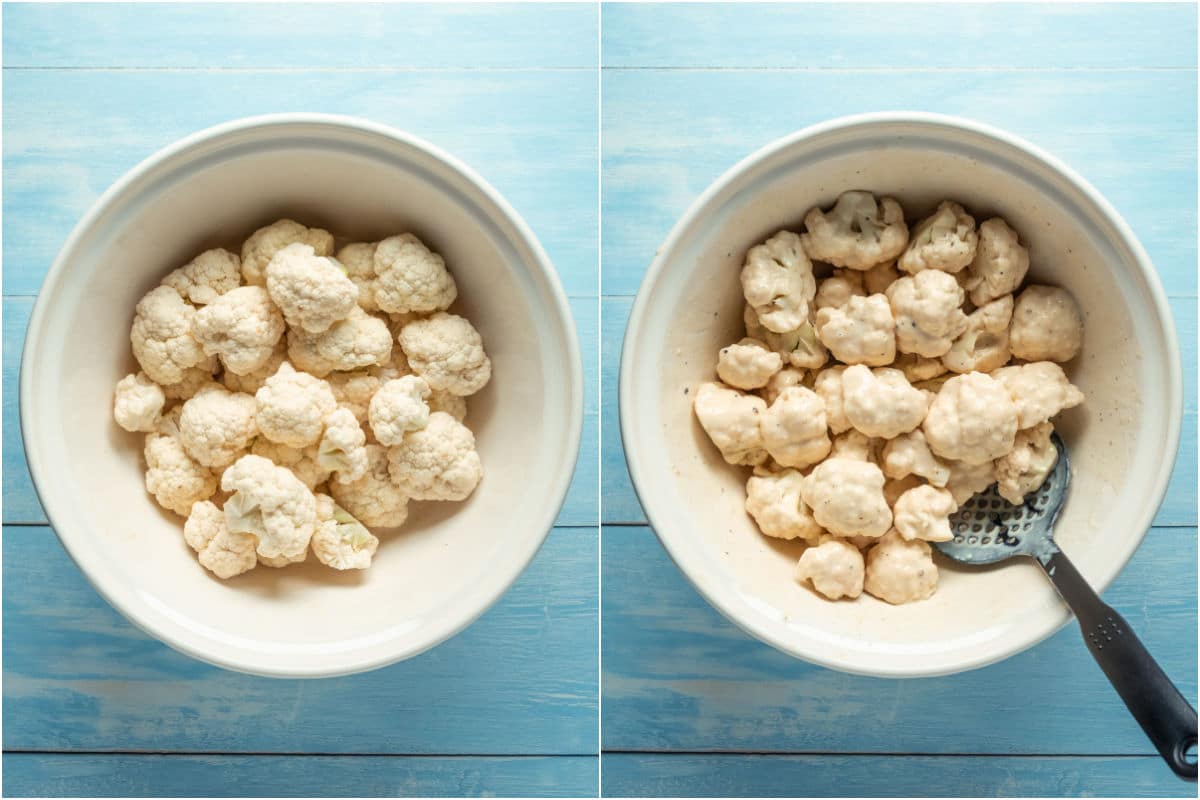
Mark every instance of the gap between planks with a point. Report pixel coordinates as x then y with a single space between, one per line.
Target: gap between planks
284 754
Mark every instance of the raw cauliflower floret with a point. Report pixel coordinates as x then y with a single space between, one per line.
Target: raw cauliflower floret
747 364
172 476
342 449
983 345
264 243
292 407
775 504
252 381
793 428
898 486
861 332
972 419
835 568
303 463
341 541
846 497
223 553
354 390
881 402
217 425
438 462
272 504
784 378
919 369
312 291
1046 325
1040 391
138 403
242 327
927 311
399 407
1000 263
194 379
356 342
359 262
857 232
452 404
857 446
279 562
207 276
411 277
924 513
1027 465
799 348
838 288
777 280
374 499
828 386
909 454
731 420
901 570
968 480
162 338
878 278
447 351
945 241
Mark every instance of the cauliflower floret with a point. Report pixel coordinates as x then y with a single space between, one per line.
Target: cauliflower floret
909 454
731 420
175 480
1000 263
252 381
799 348
292 407
926 308
918 369
1046 325
774 502
447 352
374 499
452 404
1040 391
747 364
857 446
972 419
194 379
340 540
835 568
264 243
138 403
161 336
312 291
360 340
777 280
279 562
207 276
411 277
784 378
1027 465
898 486
793 428
838 288
342 449
983 345
946 241
217 425
878 278
968 480
223 553
861 332
857 232
397 408
242 327
304 463
272 504
354 390
359 262
828 386
438 462
901 570
924 513
846 497
881 402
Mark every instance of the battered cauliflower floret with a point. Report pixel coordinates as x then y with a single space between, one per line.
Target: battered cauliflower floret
354 390
138 403
399 407
272 504
945 241
846 497
411 277
881 402
312 291
1039 390
242 327
861 332
838 288
359 262
206 277
452 404
1000 263
777 280
918 369
775 504
340 540
924 513
793 428
447 351
223 553
783 379
342 449
438 462
252 381
828 386
161 336
747 364
304 463
909 454
972 420
217 425
172 476
799 348
1028 464
927 312
857 232
264 243
968 480
292 407
878 278
835 568
901 570
731 420
983 345
374 499
358 341
857 446
1046 325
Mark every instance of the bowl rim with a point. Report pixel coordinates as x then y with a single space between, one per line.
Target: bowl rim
933 121
557 488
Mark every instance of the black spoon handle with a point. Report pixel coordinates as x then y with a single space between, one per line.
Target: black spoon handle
1156 704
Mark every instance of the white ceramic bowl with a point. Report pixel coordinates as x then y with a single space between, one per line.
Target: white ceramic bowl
362 181
1122 441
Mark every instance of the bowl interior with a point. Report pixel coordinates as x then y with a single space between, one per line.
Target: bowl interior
430 578
691 306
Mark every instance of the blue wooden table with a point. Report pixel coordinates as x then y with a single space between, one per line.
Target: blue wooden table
94 707
691 705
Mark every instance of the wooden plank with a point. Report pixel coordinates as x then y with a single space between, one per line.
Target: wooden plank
521 680
426 36
95 775
678 676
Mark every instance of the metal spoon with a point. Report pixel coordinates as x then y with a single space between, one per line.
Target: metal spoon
988 529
